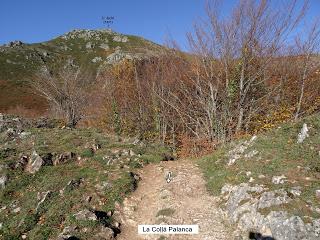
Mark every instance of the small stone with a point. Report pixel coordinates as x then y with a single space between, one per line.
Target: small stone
3 181
261 176
296 191
303 133
132 153
85 215
248 173
251 154
24 135
266 231
103 186
318 193
278 179
16 210
96 59
116 224
88 199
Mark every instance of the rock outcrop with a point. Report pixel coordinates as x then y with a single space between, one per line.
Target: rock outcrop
243 205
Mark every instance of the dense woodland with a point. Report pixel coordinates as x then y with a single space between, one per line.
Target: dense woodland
244 73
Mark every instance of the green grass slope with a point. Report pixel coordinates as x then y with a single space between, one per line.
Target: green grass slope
93 180
274 153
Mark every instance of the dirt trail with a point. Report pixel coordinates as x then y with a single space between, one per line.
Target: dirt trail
183 201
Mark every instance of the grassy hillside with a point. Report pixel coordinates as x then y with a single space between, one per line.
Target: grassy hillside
272 154
95 171
92 49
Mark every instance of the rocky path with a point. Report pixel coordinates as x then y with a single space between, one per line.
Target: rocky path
184 200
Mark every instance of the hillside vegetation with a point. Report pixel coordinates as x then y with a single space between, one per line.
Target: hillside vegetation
270 173
57 182
92 49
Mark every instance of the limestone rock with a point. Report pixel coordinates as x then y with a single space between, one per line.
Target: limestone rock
96 59
303 133
103 186
119 38
104 233
318 193
89 45
3 181
273 198
242 207
104 46
295 191
15 44
42 197
278 179
85 215
35 163
239 150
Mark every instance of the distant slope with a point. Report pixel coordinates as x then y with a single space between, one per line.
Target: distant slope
90 48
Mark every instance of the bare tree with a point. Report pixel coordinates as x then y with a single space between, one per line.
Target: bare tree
67 91
308 63
234 62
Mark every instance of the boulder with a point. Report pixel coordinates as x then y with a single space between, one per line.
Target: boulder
35 163
242 206
284 227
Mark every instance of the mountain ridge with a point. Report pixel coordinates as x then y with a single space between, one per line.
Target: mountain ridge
94 49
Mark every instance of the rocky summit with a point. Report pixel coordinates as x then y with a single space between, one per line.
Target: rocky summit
95 49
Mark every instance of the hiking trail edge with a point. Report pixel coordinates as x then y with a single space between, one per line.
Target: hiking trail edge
184 200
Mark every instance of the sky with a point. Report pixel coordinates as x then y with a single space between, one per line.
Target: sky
41 20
